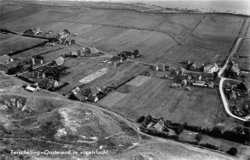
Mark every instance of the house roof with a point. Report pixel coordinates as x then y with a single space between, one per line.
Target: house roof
93 50
199 82
59 61
159 125
235 68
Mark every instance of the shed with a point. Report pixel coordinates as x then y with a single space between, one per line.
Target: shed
199 83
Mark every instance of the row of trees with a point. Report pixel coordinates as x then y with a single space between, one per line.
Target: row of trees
239 134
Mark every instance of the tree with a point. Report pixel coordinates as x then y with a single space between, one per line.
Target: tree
232 151
198 137
140 119
179 129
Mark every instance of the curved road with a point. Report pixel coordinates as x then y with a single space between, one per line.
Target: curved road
222 79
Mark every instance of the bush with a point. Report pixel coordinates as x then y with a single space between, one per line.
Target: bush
232 151
207 145
198 137
140 119
179 129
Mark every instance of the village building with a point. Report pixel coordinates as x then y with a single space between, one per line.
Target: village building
37 60
32 88
48 83
5 59
210 84
193 67
211 68
32 32
199 83
189 77
59 61
159 126
92 98
150 124
86 52
235 69
184 82
232 95
39 75
63 35
175 85
199 77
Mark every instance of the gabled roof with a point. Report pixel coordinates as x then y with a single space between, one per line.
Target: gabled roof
159 125
93 50
59 61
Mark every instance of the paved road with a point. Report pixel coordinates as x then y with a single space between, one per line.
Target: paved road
222 79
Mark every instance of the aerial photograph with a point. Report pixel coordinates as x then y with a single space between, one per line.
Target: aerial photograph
124 79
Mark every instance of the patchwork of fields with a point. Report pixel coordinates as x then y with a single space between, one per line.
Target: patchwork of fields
160 38
155 97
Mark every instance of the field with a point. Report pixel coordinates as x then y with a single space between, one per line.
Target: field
16 43
243 56
113 98
7 82
216 32
155 97
160 38
138 81
183 53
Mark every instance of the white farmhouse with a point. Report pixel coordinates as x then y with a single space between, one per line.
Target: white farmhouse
211 68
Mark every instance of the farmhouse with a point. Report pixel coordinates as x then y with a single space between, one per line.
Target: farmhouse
63 35
211 68
5 59
159 126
